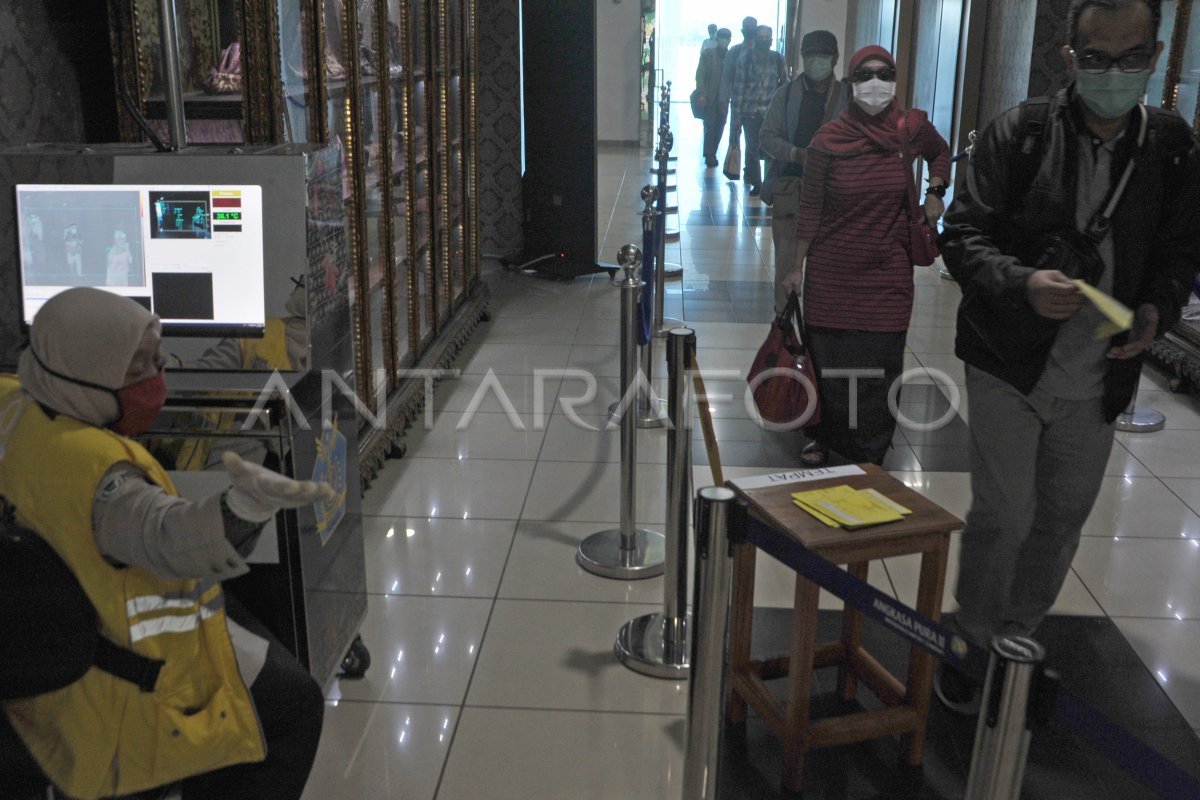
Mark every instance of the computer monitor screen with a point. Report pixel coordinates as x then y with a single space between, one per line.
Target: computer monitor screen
191 254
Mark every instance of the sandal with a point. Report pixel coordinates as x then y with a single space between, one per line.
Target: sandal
814 454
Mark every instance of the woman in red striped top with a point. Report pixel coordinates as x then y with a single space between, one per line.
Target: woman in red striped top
853 228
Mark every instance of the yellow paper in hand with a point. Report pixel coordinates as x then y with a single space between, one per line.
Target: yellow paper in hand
1118 317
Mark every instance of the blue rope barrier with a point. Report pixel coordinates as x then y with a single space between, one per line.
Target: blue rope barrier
909 623
646 309
1129 753
1126 751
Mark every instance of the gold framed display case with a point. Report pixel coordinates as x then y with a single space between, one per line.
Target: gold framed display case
393 83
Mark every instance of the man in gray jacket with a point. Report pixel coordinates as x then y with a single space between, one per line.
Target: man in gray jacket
797 110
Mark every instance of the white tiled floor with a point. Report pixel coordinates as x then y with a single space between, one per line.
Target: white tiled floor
493 675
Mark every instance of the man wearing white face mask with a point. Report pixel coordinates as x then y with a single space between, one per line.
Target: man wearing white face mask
797 110
1120 182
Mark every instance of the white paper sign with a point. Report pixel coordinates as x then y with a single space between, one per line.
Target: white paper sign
795 476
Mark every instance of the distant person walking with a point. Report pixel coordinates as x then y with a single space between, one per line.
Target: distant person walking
708 84
749 27
797 110
711 41
757 73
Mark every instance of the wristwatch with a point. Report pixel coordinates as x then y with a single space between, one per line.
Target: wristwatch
936 191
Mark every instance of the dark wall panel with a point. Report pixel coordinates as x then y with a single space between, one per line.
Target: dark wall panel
559 188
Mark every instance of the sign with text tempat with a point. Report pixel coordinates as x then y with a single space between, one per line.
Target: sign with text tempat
191 254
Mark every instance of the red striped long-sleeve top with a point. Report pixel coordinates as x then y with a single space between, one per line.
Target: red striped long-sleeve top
853 213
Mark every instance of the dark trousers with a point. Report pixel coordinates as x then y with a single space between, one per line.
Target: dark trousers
860 430
752 125
714 129
290 708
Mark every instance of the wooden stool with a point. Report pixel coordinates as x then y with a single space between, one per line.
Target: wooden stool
925 531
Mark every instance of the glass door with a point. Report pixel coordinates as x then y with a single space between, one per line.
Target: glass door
400 122
456 139
440 62
373 142
421 180
296 70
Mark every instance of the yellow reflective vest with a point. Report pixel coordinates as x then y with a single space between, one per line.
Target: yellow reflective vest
269 352
103 736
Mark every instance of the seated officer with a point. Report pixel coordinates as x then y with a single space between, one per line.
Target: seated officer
232 714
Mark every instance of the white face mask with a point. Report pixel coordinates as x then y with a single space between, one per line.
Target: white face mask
875 95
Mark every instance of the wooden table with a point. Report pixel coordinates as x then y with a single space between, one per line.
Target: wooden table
925 531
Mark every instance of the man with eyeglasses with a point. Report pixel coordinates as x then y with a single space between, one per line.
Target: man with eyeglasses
1050 195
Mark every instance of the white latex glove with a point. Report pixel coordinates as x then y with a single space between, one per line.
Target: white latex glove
257 492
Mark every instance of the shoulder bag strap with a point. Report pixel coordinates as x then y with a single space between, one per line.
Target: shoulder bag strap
1099 225
914 206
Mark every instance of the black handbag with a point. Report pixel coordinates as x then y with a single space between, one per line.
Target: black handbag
49 630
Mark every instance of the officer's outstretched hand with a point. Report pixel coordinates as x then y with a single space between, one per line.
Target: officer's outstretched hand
257 492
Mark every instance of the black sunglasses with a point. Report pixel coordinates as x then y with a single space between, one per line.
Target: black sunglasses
862 75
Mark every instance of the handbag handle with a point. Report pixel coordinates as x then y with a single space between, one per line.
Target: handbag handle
915 214
791 319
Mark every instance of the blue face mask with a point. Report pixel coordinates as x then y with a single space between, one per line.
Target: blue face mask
1111 94
817 68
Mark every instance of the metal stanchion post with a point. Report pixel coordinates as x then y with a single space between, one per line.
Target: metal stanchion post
1014 690
649 412
1135 420
626 552
657 644
715 510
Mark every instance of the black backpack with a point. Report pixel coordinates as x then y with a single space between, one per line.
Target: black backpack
49 630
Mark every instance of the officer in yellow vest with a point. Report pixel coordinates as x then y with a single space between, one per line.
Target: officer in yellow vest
232 714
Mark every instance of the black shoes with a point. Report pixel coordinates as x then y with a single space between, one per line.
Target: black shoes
957 691
754 189
710 162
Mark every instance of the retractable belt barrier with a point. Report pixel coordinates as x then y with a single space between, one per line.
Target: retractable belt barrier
1123 749
650 235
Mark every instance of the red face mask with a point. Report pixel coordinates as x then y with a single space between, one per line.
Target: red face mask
139 404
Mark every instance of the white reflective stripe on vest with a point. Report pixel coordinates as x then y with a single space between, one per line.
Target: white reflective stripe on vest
144 604
172 624
136 606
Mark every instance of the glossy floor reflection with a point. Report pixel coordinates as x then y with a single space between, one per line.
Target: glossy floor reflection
493 675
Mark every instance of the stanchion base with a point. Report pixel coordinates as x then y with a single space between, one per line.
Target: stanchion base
668 324
673 272
654 417
640 647
601 554
1141 421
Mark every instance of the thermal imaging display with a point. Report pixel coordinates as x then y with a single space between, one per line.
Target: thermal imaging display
192 254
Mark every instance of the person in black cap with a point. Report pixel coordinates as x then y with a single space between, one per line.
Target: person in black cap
708 84
797 110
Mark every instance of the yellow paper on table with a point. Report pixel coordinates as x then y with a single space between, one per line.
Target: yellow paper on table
889 502
848 506
1118 317
821 517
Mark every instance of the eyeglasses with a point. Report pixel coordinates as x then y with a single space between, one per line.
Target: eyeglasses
863 75
1097 63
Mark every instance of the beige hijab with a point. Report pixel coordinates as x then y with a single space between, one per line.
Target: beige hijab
89 335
